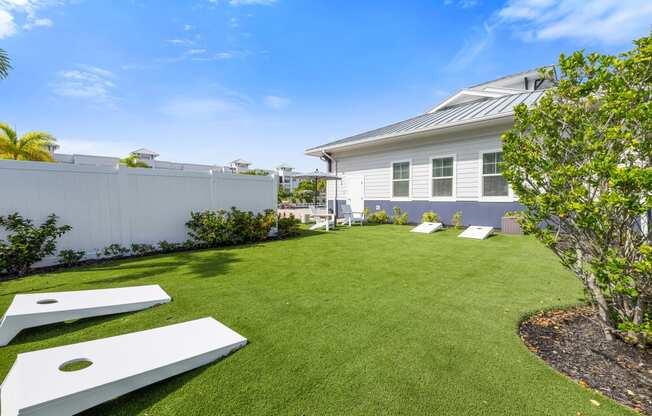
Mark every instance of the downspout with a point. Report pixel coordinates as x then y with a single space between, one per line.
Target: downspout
325 156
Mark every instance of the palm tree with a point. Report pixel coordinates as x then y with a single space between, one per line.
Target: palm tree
4 64
32 146
132 161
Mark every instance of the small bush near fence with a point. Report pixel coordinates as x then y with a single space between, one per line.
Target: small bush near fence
223 228
26 243
399 217
70 258
457 219
288 227
430 216
378 217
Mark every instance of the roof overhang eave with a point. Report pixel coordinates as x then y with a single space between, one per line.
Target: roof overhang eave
462 125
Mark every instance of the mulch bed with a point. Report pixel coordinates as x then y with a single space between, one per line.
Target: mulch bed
572 341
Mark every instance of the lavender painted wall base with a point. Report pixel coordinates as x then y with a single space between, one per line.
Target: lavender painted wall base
473 212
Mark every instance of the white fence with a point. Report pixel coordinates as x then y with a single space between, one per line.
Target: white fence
107 205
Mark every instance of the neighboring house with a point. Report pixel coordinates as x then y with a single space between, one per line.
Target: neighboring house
146 155
445 160
287 177
239 165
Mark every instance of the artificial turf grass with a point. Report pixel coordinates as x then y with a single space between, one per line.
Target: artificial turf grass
368 320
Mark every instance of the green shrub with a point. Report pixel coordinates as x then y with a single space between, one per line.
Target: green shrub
167 247
220 228
457 219
115 250
288 226
399 217
142 249
27 244
378 217
430 216
70 258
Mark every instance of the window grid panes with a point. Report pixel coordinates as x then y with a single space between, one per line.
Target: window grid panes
493 182
401 179
442 177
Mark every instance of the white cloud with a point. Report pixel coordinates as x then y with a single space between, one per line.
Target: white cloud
180 41
480 40
276 103
465 4
31 24
7 25
595 21
196 51
86 82
601 21
251 2
27 10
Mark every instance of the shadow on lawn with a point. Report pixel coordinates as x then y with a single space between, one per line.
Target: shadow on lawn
205 263
51 331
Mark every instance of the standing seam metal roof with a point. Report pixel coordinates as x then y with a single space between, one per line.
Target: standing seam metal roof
472 111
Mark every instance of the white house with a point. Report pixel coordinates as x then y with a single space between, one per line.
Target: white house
445 160
287 177
239 165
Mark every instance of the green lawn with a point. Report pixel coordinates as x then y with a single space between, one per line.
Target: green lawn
371 320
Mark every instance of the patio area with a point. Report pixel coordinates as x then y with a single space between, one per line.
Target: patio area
366 320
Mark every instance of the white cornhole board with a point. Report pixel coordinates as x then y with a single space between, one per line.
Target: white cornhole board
476 232
36 386
36 309
427 227
321 224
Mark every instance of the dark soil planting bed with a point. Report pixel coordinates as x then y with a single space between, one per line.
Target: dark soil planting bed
572 342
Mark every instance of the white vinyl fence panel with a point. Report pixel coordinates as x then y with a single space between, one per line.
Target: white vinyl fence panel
107 205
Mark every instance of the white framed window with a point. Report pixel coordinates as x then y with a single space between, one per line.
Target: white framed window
493 182
442 182
401 179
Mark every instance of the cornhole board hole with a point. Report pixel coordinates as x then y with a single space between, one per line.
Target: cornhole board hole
476 232
36 309
39 385
427 227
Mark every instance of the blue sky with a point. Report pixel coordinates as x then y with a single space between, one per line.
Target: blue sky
208 81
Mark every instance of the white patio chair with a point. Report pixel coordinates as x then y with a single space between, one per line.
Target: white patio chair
350 217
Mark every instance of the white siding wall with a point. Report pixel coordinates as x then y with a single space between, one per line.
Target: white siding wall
106 205
376 166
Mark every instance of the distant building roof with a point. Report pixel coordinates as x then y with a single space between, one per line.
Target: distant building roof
284 166
240 162
144 151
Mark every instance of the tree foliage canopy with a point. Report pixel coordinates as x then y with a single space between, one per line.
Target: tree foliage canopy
32 146
132 161
5 64
580 163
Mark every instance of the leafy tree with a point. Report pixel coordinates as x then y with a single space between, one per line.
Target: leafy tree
132 161
580 163
254 172
283 194
32 146
5 65
308 191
